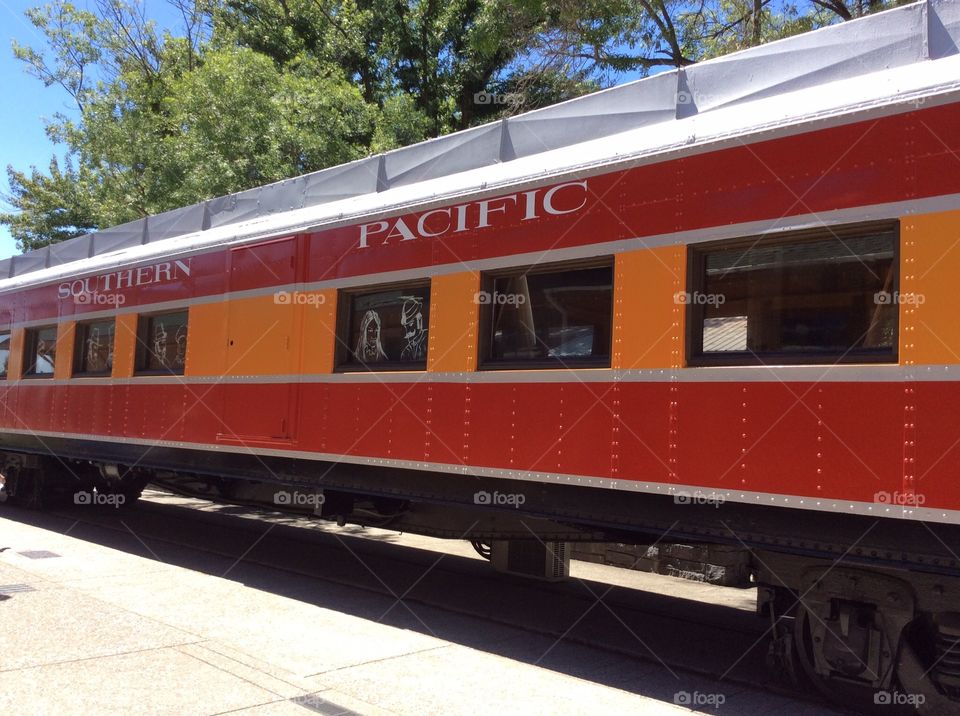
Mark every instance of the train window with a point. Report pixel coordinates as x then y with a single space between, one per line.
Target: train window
385 329
547 316
824 296
162 343
4 353
93 348
40 355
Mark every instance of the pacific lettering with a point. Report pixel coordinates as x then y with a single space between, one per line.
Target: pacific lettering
530 205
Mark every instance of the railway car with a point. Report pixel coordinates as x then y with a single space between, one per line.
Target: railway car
717 305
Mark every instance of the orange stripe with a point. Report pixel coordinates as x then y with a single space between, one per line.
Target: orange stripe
66 337
929 266
207 339
319 322
15 362
648 320
125 347
453 322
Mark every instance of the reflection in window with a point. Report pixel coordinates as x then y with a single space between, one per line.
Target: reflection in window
93 349
41 352
162 343
559 316
830 296
4 353
388 328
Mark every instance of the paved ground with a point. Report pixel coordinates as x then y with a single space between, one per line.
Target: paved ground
99 629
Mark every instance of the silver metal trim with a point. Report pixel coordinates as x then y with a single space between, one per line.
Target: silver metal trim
839 373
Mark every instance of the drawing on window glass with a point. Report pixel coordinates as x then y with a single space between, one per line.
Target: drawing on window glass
163 339
4 352
45 358
414 333
388 327
160 343
99 351
181 339
369 346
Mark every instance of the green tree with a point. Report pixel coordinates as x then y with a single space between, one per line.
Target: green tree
51 207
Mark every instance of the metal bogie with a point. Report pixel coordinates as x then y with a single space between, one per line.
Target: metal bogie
872 635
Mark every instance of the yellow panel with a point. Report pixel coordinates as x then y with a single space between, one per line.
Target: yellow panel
15 362
207 339
66 336
929 267
648 317
453 322
125 347
319 331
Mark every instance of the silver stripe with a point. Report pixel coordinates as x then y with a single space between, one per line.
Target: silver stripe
928 514
726 374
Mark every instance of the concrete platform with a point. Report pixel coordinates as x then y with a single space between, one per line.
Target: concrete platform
88 628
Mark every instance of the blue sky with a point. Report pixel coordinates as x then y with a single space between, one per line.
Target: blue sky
25 102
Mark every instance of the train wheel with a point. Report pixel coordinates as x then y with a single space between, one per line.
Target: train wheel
815 653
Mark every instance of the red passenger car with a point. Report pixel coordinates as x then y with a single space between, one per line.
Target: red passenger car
716 305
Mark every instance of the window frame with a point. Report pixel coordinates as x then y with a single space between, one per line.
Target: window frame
29 355
488 281
696 283
343 354
80 339
144 322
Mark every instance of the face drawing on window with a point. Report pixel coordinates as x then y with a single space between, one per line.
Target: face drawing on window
44 363
414 333
369 348
181 339
160 343
93 350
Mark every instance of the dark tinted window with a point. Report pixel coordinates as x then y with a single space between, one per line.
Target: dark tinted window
813 299
162 343
40 355
386 328
4 353
552 316
93 348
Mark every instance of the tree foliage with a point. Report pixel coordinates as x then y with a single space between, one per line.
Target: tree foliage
231 94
